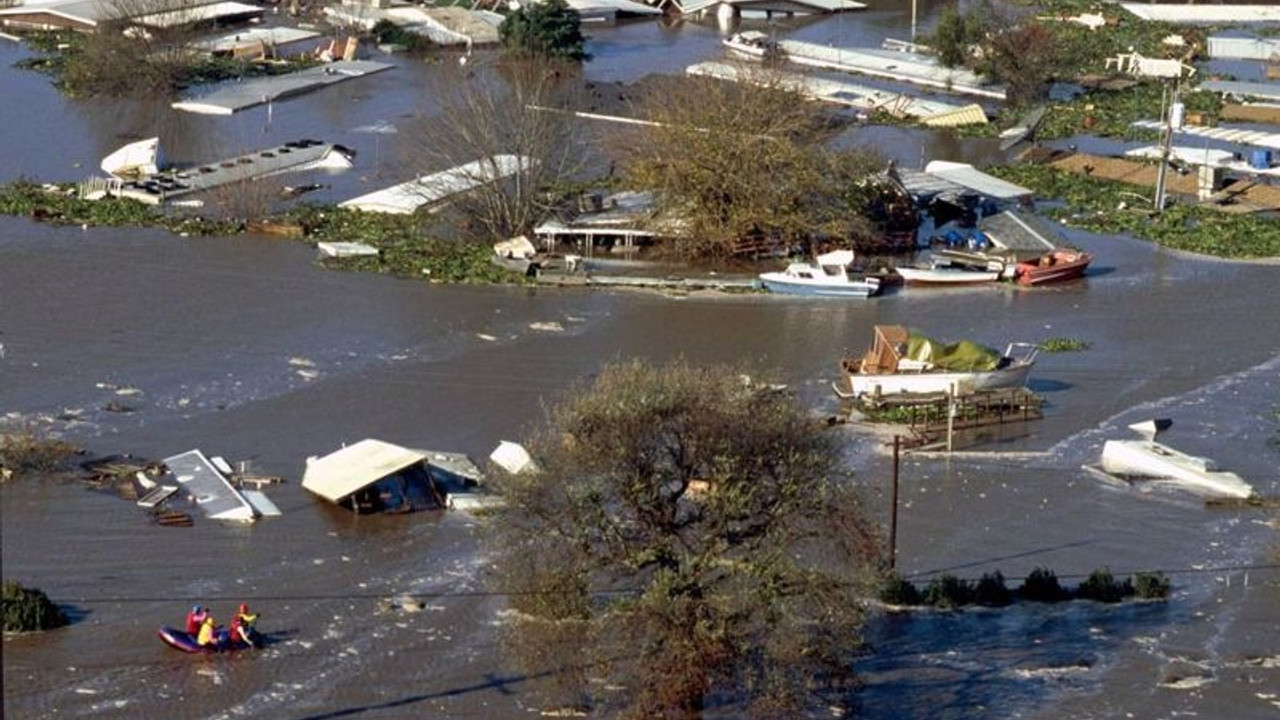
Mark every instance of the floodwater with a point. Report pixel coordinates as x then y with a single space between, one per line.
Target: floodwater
244 348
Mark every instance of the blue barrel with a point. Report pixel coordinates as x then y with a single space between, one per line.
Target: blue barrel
1260 159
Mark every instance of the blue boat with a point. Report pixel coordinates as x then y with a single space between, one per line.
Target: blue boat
185 642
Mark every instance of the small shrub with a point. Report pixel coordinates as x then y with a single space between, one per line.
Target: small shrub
948 591
1102 586
27 609
991 591
897 591
1151 586
31 452
1062 344
1042 586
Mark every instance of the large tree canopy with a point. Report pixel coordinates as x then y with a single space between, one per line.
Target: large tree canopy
547 28
731 162
689 539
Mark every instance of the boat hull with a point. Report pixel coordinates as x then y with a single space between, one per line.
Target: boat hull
946 276
925 383
179 640
780 283
1152 460
1062 266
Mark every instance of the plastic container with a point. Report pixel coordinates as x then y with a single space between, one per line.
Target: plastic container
1260 159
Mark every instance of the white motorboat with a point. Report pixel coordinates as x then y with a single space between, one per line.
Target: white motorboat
1148 459
827 277
955 269
751 45
905 363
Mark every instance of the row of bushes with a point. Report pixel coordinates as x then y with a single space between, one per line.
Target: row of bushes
403 247
27 609
948 591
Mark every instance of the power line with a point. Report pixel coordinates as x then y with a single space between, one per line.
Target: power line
473 594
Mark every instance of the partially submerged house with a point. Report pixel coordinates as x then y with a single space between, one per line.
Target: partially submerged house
89 15
373 476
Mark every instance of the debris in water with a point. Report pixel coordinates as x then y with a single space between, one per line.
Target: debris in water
547 326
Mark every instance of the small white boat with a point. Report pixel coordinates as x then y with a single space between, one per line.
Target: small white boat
827 277
1148 459
904 363
751 45
946 275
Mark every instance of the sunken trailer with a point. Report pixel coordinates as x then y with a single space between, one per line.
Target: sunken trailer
373 476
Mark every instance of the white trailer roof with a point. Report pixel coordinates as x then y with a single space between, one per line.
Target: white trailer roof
208 487
1204 13
966 175
405 198
343 472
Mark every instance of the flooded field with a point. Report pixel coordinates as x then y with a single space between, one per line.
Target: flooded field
244 348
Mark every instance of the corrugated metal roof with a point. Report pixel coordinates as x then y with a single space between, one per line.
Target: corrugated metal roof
341 473
967 115
821 6
1025 235
407 197
601 7
925 188
1243 48
230 97
198 14
209 488
1266 91
976 180
1201 13
1228 134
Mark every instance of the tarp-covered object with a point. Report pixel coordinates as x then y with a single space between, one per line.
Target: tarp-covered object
962 356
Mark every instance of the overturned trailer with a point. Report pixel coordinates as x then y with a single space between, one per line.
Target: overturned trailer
373 476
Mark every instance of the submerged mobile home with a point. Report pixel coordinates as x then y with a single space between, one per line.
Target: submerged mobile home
373 476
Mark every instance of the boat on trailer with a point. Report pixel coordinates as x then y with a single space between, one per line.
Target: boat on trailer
902 362
828 276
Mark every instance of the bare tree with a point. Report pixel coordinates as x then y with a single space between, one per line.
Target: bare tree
516 108
688 537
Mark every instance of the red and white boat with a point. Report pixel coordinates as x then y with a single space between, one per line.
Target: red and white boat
1053 266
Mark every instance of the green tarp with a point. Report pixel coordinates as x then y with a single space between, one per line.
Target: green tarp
962 356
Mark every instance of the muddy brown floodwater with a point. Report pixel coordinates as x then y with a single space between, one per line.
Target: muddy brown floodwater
244 348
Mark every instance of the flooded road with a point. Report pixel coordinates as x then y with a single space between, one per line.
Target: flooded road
244 348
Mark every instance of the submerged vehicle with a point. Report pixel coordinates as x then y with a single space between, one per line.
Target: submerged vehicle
1147 459
905 362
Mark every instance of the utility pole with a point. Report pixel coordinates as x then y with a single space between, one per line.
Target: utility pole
893 516
1173 119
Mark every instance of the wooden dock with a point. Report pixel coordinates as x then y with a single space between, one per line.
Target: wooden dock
928 416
